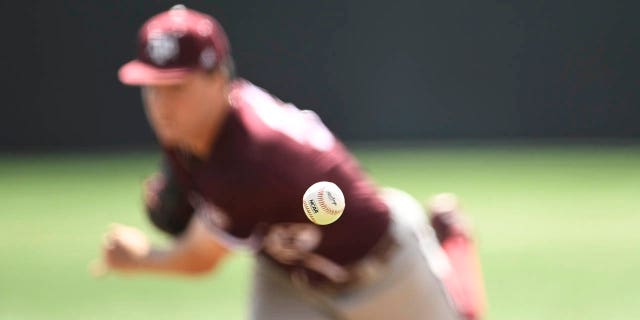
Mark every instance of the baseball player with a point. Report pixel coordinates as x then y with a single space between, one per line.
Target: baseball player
236 163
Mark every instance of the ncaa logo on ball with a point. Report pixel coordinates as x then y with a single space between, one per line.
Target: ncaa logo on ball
323 203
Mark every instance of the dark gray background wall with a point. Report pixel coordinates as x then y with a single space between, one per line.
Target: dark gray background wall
372 69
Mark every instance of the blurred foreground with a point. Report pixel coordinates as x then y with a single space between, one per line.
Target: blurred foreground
556 228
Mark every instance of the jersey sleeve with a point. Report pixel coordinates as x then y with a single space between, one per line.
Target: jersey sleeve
172 212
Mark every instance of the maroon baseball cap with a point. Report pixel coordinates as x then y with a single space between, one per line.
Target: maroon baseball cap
172 44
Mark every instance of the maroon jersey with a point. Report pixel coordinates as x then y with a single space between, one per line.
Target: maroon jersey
265 157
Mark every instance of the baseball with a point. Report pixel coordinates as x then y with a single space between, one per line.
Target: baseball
323 203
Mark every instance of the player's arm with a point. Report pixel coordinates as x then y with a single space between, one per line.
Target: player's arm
194 250
166 202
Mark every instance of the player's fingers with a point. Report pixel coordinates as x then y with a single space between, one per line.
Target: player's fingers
111 237
98 269
107 242
117 233
114 244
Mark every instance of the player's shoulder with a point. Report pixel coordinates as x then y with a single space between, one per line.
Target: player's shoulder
254 108
244 94
277 123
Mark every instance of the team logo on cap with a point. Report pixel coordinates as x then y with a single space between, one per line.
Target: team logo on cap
208 58
162 47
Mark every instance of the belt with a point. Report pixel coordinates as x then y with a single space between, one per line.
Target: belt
336 278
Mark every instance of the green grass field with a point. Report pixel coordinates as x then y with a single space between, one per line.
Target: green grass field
557 229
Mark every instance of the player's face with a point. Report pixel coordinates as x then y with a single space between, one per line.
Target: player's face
182 114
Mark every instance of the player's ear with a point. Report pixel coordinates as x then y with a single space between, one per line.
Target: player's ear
215 75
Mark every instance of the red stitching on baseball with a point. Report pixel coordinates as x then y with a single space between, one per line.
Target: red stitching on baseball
323 205
308 211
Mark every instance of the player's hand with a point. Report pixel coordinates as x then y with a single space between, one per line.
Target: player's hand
124 248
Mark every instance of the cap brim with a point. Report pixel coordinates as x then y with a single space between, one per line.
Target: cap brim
138 73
